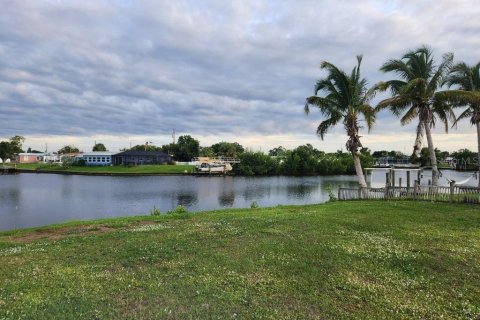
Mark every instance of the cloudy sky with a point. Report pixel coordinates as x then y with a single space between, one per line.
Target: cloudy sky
124 72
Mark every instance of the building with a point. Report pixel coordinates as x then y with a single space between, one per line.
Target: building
29 157
138 157
97 158
51 158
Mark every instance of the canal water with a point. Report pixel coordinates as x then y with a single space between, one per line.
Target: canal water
29 200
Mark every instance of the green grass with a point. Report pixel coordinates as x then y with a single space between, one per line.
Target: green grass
342 260
143 169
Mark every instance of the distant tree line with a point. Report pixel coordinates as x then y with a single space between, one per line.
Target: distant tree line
303 160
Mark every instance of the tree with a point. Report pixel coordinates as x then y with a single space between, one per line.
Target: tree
145 147
68 149
416 96
346 99
277 152
99 147
206 152
187 148
8 149
227 149
468 78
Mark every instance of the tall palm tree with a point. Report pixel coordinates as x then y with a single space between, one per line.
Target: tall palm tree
346 99
416 95
468 78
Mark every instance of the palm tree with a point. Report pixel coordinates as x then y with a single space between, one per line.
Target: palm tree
468 78
416 95
346 98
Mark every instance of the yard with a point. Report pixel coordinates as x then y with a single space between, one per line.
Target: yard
342 260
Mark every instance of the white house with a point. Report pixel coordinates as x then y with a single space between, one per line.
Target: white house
97 158
51 158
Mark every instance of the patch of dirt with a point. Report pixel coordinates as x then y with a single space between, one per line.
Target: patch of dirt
69 232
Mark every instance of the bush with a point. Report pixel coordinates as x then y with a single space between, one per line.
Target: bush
155 211
178 210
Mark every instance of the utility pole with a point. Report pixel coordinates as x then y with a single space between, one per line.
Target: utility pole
173 136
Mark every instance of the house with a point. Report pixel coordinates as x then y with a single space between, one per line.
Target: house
97 158
137 157
51 158
29 157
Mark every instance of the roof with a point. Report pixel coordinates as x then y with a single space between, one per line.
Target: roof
142 153
97 154
32 154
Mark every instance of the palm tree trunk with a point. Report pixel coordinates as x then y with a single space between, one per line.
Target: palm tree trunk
478 156
418 141
433 157
358 169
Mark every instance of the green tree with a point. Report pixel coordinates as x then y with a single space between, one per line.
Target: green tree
99 147
256 163
416 96
468 78
346 99
302 160
277 152
207 152
8 149
227 149
465 159
145 147
68 149
187 148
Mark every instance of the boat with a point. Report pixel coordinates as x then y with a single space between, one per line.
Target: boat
207 165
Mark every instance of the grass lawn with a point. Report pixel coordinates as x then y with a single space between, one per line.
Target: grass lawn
143 169
342 260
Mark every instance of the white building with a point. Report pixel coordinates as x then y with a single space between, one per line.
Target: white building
97 158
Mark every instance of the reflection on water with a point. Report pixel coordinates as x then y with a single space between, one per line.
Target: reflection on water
187 199
28 200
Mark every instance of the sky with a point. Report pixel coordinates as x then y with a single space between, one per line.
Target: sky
127 72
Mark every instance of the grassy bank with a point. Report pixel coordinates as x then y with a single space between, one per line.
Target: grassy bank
338 260
143 169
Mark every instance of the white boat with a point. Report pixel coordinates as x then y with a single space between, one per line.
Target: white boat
206 165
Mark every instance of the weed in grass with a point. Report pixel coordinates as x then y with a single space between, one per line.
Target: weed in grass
331 195
178 210
254 205
155 211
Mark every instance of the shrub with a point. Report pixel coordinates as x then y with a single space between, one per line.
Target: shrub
155 211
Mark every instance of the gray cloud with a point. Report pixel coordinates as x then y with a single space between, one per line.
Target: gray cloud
205 68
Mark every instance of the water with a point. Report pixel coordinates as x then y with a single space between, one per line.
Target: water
28 200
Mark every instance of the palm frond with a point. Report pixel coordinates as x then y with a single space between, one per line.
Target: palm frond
411 114
397 104
399 67
467 113
327 124
442 70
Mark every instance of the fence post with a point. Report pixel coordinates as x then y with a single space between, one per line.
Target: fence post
452 190
360 193
339 193
408 181
400 182
416 184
